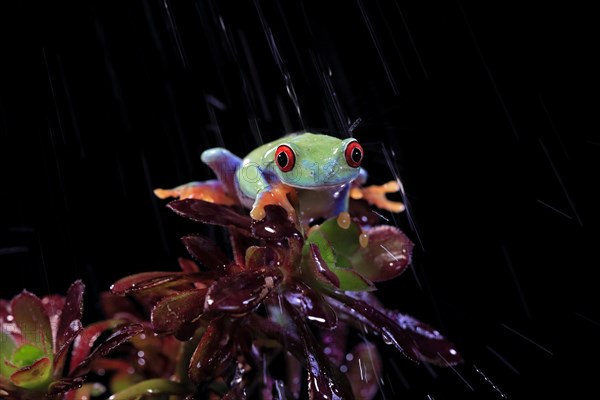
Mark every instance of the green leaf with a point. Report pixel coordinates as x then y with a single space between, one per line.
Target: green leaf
334 244
385 255
353 281
151 387
34 377
26 355
7 346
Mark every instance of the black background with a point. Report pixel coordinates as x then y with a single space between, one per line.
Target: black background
485 108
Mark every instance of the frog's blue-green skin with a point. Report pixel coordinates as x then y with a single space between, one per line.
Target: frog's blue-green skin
321 174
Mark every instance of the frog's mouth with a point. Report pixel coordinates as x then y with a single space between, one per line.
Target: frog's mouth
320 185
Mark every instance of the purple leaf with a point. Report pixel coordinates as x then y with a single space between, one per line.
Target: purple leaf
241 293
364 371
174 311
149 280
210 213
87 338
414 345
310 304
335 341
276 225
432 346
70 317
214 352
319 267
387 254
324 379
206 252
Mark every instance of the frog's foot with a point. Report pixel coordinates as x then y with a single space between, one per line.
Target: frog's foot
276 195
375 195
211 191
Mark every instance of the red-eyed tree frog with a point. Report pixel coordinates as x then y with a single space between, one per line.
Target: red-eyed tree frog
321 172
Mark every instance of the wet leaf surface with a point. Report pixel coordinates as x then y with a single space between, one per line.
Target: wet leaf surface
173 312
206 252
310 304
210 213
325 381
243 292
417 342
276 225
144 281
119 337
214 352
364 370
70 318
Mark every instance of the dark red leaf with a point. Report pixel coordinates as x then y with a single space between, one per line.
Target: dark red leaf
364 370
276 225
30 316
206 252
319 267
87 338
70 318
214 353
310 304
324 379
424 346
173 312
387 254
113 341
149 280
241 293
210 213
335 341
432 346
65 385
261 256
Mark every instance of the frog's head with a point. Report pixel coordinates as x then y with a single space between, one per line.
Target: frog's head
314 161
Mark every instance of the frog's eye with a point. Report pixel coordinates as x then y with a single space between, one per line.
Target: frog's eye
285 158
354 154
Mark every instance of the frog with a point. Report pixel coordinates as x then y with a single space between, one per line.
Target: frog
310 175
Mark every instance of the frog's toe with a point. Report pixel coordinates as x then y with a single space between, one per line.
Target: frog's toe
375 195
165 193
274 196
211 191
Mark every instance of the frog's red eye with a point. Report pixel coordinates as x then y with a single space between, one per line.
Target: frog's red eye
285 158
354 154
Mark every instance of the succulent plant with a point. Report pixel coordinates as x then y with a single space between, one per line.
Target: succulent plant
288 294
38 336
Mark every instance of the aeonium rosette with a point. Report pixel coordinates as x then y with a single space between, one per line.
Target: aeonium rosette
288 292
37 336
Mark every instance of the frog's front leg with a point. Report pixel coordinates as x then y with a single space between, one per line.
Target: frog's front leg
255 192
275 195
211 191
375 195
221 191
